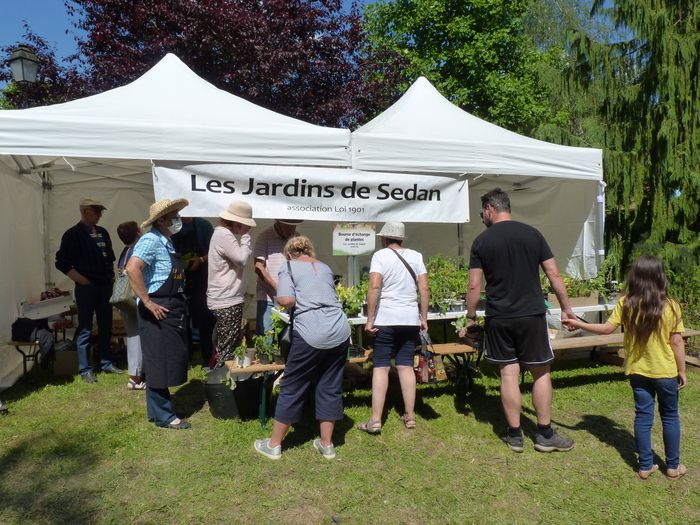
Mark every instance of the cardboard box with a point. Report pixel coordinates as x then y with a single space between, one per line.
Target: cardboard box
66 363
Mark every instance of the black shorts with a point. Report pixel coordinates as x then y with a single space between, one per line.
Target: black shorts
523 340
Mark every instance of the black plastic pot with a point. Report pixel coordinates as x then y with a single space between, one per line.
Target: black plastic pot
243 401
222 403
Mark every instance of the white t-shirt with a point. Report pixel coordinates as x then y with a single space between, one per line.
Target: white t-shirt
398 299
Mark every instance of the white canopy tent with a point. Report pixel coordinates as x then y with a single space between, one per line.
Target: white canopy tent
103 146
558 189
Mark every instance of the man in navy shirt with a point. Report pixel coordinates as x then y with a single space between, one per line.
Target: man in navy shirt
86 256
509 255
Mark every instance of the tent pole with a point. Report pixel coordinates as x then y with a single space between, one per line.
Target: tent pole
600 226
352 270
45 190
460 241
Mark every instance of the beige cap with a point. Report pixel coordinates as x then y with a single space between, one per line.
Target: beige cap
163 207
90 202
393 230
291 222
239 211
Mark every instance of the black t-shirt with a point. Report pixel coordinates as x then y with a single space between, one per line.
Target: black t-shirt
509 253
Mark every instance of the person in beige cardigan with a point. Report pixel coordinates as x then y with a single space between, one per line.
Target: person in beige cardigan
229 251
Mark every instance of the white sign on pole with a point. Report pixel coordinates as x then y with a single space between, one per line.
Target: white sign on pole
353 239
322 194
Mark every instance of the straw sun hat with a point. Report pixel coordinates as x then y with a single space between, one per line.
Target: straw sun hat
239 211
163 207
393 230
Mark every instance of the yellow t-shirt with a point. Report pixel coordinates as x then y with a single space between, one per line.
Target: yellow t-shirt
655 358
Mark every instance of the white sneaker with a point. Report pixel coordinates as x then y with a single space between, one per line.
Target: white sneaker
327 452
263 447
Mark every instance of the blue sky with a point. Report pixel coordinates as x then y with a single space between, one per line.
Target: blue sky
48 18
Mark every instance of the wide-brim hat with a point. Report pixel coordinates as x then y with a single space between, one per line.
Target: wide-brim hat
163 207
393 230
239 211
291 222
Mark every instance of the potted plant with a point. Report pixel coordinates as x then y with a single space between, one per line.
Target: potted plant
353 298
581 292
448 278
265 347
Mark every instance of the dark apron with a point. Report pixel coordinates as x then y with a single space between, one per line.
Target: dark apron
165 354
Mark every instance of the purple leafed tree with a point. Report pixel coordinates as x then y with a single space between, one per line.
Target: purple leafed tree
297 57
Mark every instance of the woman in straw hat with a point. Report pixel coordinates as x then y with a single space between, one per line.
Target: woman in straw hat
156 275
229 251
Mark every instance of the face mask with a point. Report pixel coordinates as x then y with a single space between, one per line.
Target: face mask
175 225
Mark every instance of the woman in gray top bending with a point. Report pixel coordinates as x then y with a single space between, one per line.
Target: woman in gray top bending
318 349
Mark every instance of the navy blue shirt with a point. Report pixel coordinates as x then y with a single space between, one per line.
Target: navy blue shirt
80 251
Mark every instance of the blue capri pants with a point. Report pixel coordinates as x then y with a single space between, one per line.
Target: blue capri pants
307 368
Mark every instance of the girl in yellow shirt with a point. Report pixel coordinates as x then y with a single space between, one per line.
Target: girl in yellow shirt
654 359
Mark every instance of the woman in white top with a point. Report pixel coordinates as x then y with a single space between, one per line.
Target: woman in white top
394 318
229 251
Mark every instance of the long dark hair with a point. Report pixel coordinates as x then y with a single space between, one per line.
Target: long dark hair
646 297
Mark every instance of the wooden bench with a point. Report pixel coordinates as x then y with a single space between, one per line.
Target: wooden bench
598 342
30 354
271 371
461 355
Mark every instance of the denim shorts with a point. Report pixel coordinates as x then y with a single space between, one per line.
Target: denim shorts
398 342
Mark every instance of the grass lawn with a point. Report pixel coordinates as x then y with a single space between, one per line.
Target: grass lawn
74 453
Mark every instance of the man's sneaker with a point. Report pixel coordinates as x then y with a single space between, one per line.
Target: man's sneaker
557 442
3 409
327 452
263 447
515 443
89 377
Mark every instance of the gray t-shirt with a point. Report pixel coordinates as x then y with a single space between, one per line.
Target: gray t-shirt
319 318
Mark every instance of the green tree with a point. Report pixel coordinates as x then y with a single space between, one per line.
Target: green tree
648 83
475 52
573 118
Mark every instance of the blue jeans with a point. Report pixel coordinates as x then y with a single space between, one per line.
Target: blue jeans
93 300
263 321
159 406
645 389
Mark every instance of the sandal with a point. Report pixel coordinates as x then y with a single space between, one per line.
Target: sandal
409 422
136 385
676 473
370 426
644 474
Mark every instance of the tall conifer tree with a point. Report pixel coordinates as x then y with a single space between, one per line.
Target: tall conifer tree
651 111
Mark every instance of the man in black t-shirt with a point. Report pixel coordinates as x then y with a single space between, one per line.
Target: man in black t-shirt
509 255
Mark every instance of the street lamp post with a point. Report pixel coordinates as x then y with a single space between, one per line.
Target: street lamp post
25 65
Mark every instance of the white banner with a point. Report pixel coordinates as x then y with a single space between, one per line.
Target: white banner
321 194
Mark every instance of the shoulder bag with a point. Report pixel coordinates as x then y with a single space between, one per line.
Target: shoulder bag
123 297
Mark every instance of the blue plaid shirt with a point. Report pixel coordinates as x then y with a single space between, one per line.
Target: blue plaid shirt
154 250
